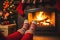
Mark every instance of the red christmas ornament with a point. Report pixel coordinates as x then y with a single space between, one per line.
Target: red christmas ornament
6 4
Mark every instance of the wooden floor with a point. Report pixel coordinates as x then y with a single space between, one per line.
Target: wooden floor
45 38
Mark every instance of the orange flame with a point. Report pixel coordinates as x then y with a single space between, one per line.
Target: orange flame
42 18
39 17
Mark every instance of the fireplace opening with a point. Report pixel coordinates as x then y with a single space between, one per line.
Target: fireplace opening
42 18
45 18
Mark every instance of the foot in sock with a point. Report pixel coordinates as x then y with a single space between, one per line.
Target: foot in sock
24 28
32 27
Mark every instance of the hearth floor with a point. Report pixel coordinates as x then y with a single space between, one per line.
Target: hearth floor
46 38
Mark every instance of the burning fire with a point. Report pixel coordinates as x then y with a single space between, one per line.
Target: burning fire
42 18
39 17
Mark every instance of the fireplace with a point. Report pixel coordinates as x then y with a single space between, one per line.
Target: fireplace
42 18
45 18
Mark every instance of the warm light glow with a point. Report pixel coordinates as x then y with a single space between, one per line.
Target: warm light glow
30 17
48 20
42 18
37 23
39 17
45 24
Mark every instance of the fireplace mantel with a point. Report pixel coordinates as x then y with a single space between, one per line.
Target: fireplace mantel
39 9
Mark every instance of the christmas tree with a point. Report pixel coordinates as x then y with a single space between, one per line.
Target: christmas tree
9 9
8 5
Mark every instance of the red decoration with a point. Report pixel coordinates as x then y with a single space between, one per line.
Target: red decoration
57 5
6 4
19 8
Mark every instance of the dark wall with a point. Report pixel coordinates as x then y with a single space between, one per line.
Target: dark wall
58 22
57 5
1 4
